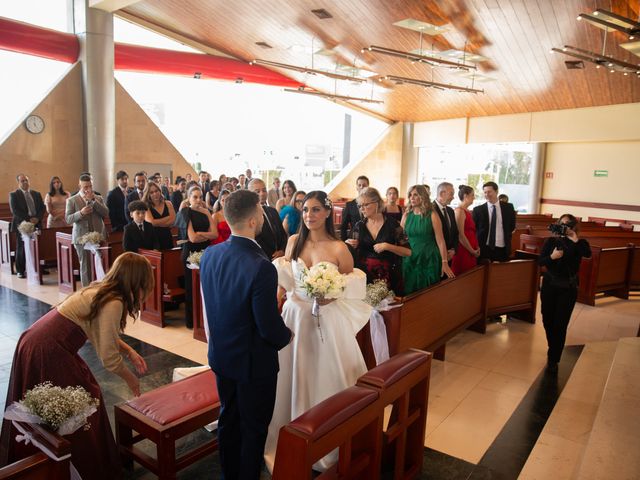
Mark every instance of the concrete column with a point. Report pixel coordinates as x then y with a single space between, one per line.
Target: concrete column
94 29
535 178
409 171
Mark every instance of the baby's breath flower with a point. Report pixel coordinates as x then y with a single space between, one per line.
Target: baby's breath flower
195 257
92 237
26 228
377 292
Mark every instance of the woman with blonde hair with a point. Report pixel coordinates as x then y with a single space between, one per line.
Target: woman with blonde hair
48 351
428 261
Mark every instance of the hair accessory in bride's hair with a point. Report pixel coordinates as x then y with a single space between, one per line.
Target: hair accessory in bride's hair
328 203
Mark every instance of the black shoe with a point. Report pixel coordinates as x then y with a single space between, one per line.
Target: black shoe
552 367
22 275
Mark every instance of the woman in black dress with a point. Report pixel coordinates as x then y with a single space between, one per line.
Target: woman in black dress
379 241
392 209
200 230
561 255
160 214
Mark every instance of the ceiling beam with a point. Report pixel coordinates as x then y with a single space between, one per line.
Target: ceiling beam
111 5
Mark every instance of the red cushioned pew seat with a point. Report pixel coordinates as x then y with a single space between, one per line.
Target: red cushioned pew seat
164 415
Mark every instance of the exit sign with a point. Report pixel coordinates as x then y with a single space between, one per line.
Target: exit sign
601 173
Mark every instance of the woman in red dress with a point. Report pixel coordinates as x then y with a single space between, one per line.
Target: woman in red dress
467 253
48 351
224 231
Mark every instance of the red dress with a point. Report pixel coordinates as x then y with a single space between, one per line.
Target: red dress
224 232
48 350
463 260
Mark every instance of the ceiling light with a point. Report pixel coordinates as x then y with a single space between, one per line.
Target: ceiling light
429 84
423 27
597 59
330 96
415 57
608 20
309 71
633 47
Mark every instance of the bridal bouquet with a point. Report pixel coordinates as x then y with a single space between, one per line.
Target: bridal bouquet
322 281
63 410
91 238
26 228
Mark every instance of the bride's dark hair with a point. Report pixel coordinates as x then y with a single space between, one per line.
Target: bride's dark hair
303 232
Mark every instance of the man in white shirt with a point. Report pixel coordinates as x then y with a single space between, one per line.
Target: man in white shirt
495 222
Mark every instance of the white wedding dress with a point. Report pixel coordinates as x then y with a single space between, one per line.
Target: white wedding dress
316 365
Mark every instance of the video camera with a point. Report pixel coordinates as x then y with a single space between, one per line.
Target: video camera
561 228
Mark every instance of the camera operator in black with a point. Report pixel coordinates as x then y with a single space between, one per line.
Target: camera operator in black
561 255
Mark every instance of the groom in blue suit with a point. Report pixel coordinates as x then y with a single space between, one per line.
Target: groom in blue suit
239 286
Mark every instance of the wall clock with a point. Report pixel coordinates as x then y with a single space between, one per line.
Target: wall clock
34 124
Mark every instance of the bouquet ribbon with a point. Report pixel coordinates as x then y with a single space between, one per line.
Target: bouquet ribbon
97 259
32 275
378 331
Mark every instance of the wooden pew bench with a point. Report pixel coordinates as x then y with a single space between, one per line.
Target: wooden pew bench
167 270
350 420
163 416
608 271
43 246
7 245
68 264
39 465
403 381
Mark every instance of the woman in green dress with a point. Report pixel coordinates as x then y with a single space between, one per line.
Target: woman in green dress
428 261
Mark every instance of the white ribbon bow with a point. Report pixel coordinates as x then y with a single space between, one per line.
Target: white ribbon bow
378 331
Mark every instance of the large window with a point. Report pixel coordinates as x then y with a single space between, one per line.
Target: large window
224 127
507 164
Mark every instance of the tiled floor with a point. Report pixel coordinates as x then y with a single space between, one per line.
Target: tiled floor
472 394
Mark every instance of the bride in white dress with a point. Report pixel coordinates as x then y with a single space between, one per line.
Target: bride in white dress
317 364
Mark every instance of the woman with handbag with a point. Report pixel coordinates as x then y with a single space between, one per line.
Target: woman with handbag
561 255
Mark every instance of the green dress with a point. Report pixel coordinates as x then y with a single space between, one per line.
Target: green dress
424 266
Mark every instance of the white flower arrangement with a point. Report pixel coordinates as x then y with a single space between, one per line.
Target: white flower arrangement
322 281
26 228
91 238
63 410
194 258
377 292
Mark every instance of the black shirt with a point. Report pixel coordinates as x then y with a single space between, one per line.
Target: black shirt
568 265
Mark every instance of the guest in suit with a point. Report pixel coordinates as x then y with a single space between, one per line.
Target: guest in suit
240 287
495 222
139 233
447 216
86 211
26 206
167 190
115 202
242 181
55 202
249 177
274 194
351 213
203 182
139 182
179 194
272 238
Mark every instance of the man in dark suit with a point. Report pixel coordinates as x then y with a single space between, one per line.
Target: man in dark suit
447 217
115 202
26 206
495 222
351 213
239 285
139 182
139 233
179 193
203 182
272 238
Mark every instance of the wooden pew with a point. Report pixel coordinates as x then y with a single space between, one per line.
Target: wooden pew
350 420
634 275
607 271
7 245
198 317
39 465
167 269
430 317
43 246
68 264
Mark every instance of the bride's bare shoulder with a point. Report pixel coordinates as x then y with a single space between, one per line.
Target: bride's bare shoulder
290 244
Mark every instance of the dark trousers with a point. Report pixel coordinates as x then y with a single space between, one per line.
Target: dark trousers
21 264
245 413
496 254
556 305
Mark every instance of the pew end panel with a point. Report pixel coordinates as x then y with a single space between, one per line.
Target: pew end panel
609 270
67 259
167 269
634 274
403 381
350 420
7 245
39 465
512 288
44 249
198 316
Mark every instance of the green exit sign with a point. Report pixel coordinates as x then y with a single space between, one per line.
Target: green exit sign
601 173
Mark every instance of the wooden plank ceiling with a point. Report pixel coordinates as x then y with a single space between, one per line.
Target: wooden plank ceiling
514 35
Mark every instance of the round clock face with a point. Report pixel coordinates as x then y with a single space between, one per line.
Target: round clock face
34 124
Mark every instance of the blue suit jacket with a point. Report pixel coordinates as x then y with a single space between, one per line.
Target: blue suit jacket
246 331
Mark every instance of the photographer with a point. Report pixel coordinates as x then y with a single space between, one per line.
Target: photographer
561 255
